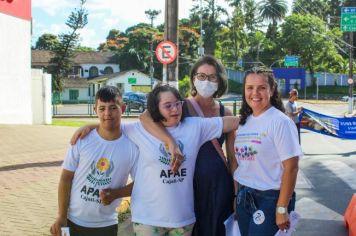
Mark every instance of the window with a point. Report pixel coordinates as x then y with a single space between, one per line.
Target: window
73 94
93 71
108 70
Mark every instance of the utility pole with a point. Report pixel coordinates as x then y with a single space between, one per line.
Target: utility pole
351 85
170 71
152 14
201 42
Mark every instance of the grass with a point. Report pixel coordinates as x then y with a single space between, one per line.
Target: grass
70 123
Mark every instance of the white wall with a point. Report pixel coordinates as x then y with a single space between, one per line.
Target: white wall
41 97
86 68
141 79
83 94
15 70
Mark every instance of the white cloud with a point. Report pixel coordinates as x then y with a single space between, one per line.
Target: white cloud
89 38
52 7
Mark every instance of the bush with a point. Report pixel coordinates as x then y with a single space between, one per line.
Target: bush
184 86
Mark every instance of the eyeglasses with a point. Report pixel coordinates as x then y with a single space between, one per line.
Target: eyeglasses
203 77
171 105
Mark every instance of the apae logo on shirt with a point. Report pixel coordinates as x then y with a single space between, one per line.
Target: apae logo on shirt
99 175
167 175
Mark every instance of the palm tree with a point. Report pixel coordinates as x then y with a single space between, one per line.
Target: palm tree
274 10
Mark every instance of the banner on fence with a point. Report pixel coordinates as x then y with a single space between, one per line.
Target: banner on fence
333 126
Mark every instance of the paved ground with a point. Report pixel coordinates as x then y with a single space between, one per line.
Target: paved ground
30 159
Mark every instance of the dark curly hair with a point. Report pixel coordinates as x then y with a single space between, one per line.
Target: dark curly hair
154 98
220 72
275 100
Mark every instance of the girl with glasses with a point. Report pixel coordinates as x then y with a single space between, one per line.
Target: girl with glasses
213 183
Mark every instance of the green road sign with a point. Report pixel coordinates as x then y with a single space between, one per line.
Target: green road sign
348 19
132 80
291 61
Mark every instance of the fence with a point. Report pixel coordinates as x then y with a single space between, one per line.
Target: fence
87 110
324 78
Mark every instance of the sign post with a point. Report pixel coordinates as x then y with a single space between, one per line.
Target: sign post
348 24
166 53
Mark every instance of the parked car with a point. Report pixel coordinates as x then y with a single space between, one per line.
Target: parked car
346 98
135 101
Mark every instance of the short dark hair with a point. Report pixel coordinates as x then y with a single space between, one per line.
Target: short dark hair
220 72
275 100
108 94
154 98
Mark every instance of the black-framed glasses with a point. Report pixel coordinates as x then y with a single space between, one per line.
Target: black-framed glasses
171 105
203 77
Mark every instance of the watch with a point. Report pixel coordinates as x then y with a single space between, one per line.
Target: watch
281 210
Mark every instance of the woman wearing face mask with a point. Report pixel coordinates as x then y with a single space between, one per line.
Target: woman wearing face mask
213 183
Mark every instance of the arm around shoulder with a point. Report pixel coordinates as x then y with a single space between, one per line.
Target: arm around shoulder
231 123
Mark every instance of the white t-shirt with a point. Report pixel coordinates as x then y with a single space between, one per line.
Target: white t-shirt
98 164
160 197
261 145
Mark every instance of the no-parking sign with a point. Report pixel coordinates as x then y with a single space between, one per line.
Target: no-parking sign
166 52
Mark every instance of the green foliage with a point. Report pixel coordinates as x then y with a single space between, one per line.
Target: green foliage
61 63
274 10
71 123
212 22
84 49
304 35
184 86
318 8
47 42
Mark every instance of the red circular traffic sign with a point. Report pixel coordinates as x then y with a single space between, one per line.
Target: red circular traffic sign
350 81
166 52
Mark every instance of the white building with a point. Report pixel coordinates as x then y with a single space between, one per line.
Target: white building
86 64
15 66
125 81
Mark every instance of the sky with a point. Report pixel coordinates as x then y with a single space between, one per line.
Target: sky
49 16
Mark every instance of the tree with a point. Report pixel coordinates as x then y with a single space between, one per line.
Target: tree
212 22
113 34
47 42
61 63
319 8
252 21
305 36
232 41
274 10
84 49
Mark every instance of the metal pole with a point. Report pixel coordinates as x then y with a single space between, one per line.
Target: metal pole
151 56
351 85
171 34
317 88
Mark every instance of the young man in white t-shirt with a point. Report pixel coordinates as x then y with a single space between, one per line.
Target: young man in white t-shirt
95 173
